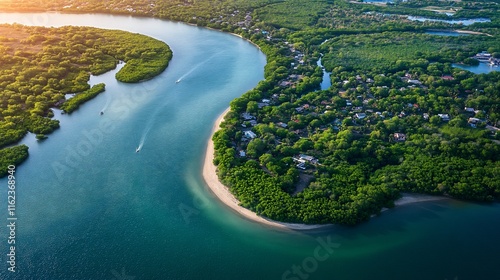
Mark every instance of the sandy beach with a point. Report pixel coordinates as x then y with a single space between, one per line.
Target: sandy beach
226 197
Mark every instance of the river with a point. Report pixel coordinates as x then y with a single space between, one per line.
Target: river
90 207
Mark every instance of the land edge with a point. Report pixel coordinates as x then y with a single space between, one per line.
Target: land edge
226 197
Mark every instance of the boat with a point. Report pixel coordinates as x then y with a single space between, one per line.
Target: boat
138 149
102 113
178 81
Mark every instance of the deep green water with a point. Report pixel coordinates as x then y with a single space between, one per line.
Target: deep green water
89 207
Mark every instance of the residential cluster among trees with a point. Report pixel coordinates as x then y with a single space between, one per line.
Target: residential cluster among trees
398 117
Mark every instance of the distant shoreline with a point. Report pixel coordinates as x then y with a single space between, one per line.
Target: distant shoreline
225 196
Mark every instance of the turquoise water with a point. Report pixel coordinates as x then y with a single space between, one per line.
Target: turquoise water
465 22
326 82
89 207
481 68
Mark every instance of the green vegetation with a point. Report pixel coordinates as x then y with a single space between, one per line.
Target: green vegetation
72 104
294 14
395 51
40 65
397 118
12 156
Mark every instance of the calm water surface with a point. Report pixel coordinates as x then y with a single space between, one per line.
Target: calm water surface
326 82
481 68
89 207
465 22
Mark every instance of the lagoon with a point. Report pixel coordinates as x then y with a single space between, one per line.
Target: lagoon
326 82
465 22
481 68
110 213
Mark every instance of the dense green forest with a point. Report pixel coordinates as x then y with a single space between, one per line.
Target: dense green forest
12 156
40 65
398 117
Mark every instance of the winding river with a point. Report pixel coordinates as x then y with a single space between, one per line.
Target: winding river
90 207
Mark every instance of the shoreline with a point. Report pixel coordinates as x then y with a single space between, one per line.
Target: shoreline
226 197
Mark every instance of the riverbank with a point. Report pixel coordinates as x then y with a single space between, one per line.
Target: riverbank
226 197
460 31
472 32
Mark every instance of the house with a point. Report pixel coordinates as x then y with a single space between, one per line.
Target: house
282 124
469 109
242 153
262 105
444 117
247 116
399 137
250 134
415 82
447 78
360 116
285 83
302 166
306 158
426 116
473 122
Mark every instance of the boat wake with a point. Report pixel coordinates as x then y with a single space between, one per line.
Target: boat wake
196 67
144 136
108 100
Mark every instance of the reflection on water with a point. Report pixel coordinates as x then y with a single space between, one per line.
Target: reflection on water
482 68
465 22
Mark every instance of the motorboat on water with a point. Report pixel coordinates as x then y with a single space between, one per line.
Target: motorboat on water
178 81
138 149
102 113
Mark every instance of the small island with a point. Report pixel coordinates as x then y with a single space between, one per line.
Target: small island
40 65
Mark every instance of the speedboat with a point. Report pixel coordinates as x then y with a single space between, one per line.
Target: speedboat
178 81
102 113
138 149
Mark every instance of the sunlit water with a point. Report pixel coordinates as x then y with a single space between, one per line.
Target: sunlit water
90 207
481 68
